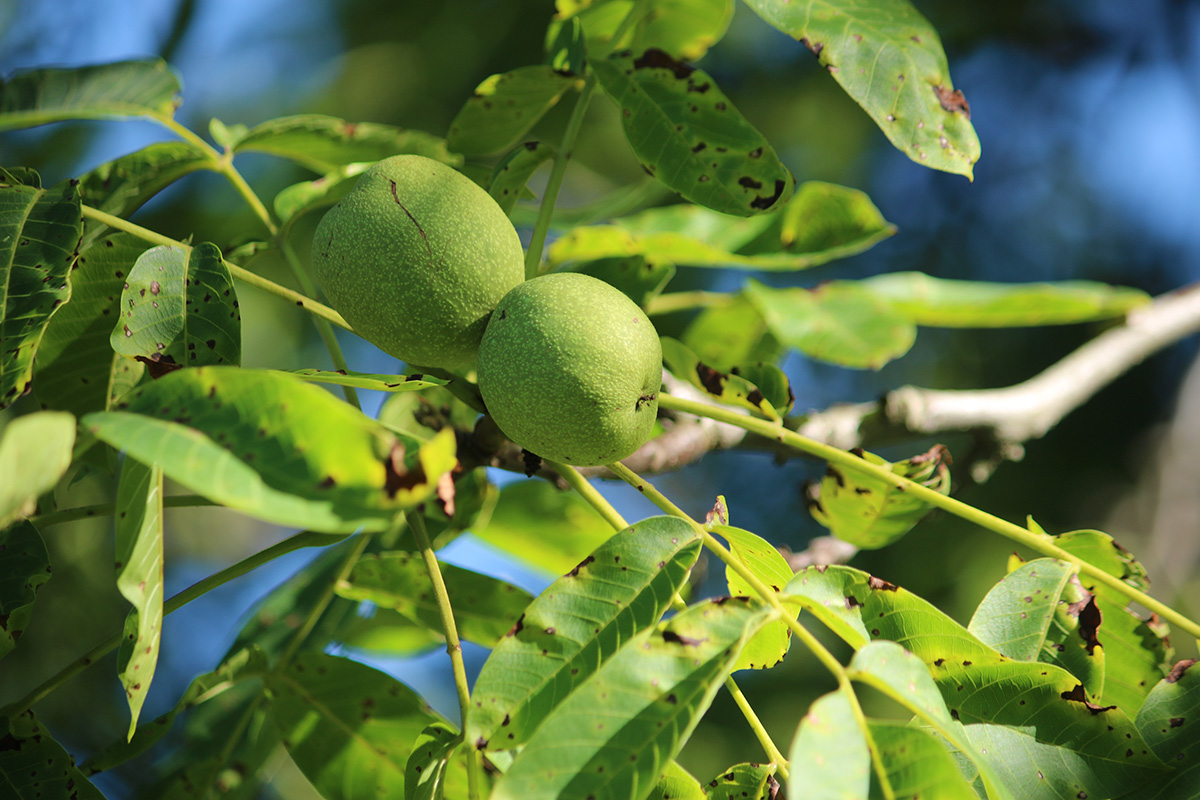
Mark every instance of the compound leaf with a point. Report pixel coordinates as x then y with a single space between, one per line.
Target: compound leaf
917 764
768 647
147 88
684 28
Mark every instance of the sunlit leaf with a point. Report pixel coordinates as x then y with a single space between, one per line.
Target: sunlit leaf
727 388
508 180
299 199
146 88
35 451
917 764
23 570
504 107
33 765
1168 721
653 692
870 513
363 380
575 625
750 781
727 334
425 770
768 647
274 447
890 60
687 133
676 783
387 632
829 756
40 233
683 28
120 187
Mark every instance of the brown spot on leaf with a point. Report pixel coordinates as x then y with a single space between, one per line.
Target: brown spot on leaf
766 201
879 584
953 101
816 47
658 59
397 475
712 380
1077 695
686 641
1177 671
575 572
158 365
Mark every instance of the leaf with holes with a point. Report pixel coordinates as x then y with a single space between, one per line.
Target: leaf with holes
485 608
179 308
508 181
40 234
870 513
830 752
121 186
146 88
34 765
25 567
727 388
653 690
74 367
35 451
274 447
890 60
576 625
767 648
687 134
349 728
504 107
750 781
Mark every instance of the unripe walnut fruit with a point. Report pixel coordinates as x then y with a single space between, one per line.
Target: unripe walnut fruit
415 258
570 369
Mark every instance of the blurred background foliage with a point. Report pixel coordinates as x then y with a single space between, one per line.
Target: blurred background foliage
1089 115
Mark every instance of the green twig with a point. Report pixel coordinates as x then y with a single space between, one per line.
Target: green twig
107 509
686 301
589 493
314 615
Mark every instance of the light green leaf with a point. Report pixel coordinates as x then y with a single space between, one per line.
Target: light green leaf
653 691
767 648
829 758
751 781
387 632
146 88
638 278
35 451
349 728
868 512
838 321
179 308
121 186
485 608
730 389
834 596
890 60
825 222
575 626
299 199
323 143
917 764
40 234
363 380
1168 721
425 770
74 367
725 335
508 181
504 108
676 783
948 303
542 526
275 448
33 765
25 567
688 134
683 28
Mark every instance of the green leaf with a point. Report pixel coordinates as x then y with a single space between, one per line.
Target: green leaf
688 134
890 60
508 181
275 448
825 222
146 88
575 626
947 303
751 781
683 28
121 186
504 107
179 307
654 691
870 513
1168 721
484 608
20 176
917 764
839 322
566 50
74 368
676 783
35 452
349 728
829 758
301 198
39 239
387 632
322 143
725 335
425 770
363 380
767 648
25 567
834 597
730 389
543 527
33 765
638 278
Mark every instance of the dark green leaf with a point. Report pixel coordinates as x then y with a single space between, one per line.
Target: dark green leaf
349 728
654 691
34 766
425 771
35 451
750 781
688 134
23 570
274 447
121 186
20 176
576 625
829 758
146 88
504 107
508 181
39 239
362 380
890 60
179 308
566 49
727 388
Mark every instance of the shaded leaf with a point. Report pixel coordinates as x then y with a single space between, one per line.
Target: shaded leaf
23 570
20 176
275 448
830 752
727 334
767 648
147 88
1168 721
751 781
33 765
869 513
387 632
35 451
728 388
887 57
508 181
425 770
654 691
566 49
349 728
638 278
120 187
299 199
504 107
839 322
688 134
179 308
917 764
40 234
363 380
575 626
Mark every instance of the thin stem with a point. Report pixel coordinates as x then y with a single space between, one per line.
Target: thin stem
652 494
36 695
589 493
234 740
107 509
1038 542
314 615
760 730
453 646
685 301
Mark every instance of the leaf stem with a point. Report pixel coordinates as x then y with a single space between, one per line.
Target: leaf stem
314 615
107 509
416 523
1038 542
589 493
760 731
300 540
685 301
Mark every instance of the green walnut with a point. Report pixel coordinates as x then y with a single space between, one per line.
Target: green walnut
415 258
570 369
